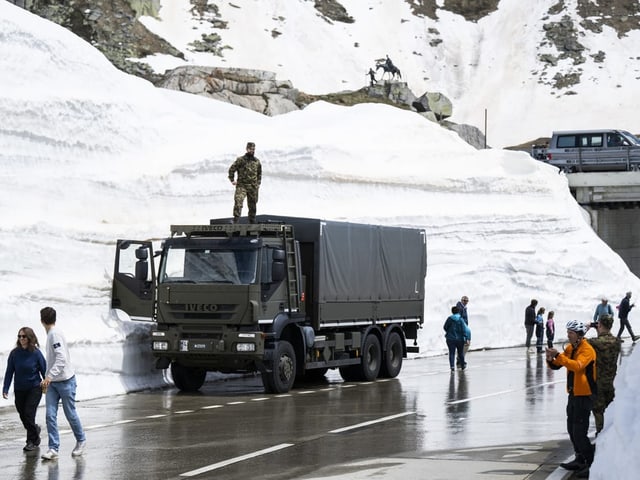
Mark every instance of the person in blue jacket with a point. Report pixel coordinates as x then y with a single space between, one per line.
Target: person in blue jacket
26 367
456 335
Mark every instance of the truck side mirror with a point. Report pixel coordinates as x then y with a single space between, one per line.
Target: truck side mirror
277 266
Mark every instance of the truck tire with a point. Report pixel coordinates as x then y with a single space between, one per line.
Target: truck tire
370 364
283 371
371 358
187 379
392 359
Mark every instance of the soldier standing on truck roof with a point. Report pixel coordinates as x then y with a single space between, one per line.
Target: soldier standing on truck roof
247 184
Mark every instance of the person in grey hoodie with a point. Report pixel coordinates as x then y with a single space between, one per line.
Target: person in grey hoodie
60 385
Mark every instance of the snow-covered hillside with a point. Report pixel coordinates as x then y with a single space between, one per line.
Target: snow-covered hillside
513 61
89 155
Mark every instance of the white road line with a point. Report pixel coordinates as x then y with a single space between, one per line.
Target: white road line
182 412
502 392
231 461
211 406
372 422
158 415
236 403
493 394
90 427
121 422
261 399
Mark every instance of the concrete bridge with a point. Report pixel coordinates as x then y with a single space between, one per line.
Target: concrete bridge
613 202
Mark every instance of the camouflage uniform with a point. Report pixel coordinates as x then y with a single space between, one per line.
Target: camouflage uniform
249 172
607 349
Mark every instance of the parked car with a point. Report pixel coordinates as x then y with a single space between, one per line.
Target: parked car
594 150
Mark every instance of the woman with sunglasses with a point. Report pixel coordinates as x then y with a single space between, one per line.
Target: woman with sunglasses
26 366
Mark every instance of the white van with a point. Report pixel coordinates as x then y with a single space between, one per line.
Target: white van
594 150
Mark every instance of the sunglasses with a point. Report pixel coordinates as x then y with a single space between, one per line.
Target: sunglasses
22 336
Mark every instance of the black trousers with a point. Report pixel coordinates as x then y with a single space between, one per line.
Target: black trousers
529 329
578 412
624 322
27 402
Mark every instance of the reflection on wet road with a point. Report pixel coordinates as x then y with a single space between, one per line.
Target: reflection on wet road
231 429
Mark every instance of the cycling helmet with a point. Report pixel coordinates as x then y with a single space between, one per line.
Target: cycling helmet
577 326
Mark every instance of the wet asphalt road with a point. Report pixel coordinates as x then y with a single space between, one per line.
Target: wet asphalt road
503 416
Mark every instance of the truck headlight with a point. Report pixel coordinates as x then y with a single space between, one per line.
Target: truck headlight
161 345
245 347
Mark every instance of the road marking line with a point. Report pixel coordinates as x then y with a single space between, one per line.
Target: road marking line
236 403
180 412
493 394
158 415
211 406
305 392
465 400
231 461
261 399
120 422
90 427
372 422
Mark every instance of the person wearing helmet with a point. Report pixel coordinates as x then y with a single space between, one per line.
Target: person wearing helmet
579 358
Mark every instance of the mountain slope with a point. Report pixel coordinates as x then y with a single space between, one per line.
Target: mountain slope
534 66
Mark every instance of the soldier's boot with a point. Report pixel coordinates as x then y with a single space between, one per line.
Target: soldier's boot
577 463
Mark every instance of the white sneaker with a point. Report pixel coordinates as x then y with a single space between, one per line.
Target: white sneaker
50 455
79 449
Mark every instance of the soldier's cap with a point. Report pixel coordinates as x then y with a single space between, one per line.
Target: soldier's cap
250 144
606 321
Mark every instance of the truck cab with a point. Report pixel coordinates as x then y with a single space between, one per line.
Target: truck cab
216 290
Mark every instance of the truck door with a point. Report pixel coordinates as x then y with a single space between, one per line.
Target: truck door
134 279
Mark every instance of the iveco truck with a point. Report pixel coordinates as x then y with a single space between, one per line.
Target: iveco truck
287 297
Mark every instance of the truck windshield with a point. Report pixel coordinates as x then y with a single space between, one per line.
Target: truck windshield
633 140
204 265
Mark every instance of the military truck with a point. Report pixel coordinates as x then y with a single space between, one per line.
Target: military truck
288 297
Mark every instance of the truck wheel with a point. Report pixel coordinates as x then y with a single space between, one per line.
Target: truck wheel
392 361
371 358
283 371
187 379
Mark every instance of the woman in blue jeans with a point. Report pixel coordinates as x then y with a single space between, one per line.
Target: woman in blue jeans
456 336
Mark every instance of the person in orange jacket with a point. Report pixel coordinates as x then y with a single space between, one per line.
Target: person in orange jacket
579 358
